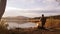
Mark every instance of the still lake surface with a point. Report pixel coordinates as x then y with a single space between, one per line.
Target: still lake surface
24 25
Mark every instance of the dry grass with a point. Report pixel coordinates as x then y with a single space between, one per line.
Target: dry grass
53 23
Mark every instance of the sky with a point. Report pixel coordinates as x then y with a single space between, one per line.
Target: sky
32 8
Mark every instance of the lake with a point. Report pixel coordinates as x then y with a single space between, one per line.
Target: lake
24 25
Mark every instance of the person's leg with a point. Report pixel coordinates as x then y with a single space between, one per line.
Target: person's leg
43 23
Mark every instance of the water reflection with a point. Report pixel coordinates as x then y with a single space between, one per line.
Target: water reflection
25 25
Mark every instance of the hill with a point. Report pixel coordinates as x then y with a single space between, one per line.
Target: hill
54 17
18 19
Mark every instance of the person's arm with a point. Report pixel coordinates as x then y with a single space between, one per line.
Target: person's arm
2 7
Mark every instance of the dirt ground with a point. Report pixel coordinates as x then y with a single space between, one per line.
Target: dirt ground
37 31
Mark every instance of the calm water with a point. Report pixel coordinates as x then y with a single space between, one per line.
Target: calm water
25 25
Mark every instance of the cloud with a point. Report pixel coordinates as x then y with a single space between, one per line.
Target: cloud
31 8
33 4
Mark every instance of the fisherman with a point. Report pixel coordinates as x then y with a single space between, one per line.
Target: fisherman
43 21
